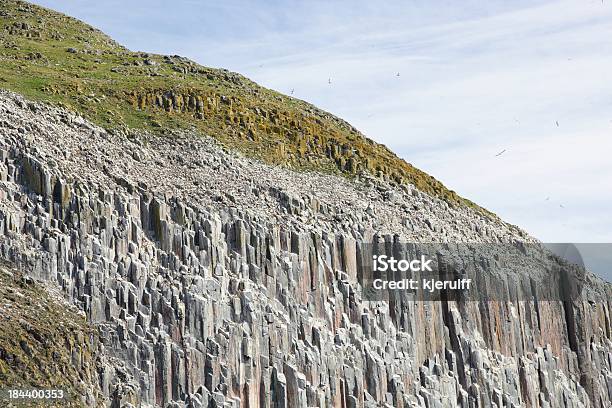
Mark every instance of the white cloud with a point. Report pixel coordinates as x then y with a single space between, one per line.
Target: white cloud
475 78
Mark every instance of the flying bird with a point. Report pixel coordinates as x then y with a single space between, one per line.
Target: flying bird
500 153
561 205
397 74
547 198
329 80
292 90
557 123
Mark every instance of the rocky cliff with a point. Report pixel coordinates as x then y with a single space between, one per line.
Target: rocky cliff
213 279
173 235
51 57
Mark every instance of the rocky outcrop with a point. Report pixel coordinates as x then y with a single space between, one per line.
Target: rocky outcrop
215 280
80 67
302 138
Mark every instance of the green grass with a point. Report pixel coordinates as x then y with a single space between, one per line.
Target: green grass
43 344
115 88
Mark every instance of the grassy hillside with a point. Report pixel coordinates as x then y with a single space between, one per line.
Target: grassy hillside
43 343
48 56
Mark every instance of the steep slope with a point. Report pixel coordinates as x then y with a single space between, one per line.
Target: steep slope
152 199
44 342
51 57
220 281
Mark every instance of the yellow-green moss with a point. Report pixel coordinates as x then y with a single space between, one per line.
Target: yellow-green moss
43 343
50 57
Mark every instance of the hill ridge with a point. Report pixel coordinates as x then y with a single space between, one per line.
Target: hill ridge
50 57
215 280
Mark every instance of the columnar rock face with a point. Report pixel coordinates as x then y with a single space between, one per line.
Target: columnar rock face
215 281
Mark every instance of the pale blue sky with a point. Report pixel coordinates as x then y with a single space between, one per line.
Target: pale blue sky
476 77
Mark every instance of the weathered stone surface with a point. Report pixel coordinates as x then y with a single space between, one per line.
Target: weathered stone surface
218 281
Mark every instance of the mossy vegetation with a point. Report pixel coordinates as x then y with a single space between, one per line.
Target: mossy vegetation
50 57
44 344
